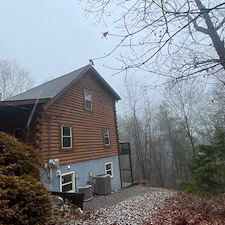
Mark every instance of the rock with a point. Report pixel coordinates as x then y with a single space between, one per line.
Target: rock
57 200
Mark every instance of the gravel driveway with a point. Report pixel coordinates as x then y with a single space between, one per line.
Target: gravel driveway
127 206
102 201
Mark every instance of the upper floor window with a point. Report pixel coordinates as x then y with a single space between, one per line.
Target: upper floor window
66 135
87 100
106 137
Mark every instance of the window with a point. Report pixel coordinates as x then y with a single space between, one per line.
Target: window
109 169
87 100
66 134
67 182
106 137
18 133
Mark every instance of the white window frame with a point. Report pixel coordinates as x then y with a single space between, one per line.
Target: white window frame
111 168
65 136
106 137
87 95
71 182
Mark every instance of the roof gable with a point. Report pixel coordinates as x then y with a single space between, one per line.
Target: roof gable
53 89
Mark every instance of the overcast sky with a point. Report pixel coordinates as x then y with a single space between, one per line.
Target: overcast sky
52 37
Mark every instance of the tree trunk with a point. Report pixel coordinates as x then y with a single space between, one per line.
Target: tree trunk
212 32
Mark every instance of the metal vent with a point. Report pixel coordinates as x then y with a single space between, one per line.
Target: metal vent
87 190
102 184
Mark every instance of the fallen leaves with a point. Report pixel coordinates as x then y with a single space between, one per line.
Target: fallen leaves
190 209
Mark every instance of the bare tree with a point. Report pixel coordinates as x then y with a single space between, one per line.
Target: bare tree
183 101
172 147
139 109
13 79
164 134
178 38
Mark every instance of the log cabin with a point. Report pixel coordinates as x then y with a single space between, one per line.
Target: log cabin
71 121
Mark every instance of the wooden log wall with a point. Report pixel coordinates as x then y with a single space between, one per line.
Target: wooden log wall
87 126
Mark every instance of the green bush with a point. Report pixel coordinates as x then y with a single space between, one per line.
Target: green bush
23 198
17 158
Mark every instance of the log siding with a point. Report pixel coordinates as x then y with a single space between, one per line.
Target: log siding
87 126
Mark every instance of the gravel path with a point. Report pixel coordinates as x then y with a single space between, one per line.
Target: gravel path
101 201
129 206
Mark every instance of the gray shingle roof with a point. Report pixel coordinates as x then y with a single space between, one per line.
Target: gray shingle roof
49 89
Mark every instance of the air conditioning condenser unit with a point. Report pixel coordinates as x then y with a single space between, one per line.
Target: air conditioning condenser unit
87 190
102 184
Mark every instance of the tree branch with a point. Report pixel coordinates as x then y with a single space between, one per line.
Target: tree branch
221 24
206 61
198 28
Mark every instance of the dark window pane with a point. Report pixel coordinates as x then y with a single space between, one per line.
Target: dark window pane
66 142
68 187
66 178
66 131
88 104
106 141
108 166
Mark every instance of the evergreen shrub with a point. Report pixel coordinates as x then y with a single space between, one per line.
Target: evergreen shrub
23 198
207 168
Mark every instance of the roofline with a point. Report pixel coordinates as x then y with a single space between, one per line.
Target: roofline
47 104
48 101
23 102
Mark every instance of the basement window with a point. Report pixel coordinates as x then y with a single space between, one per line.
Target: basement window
109 168
67 182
